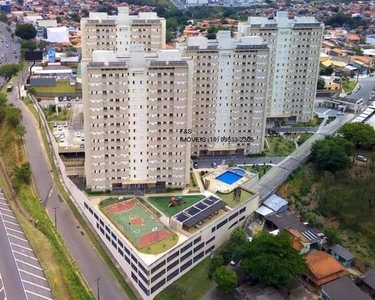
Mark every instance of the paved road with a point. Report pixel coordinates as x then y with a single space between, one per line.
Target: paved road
206 161
80 246
3 294
7 54
367 85
22 273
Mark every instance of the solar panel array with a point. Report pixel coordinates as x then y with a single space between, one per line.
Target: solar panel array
200 211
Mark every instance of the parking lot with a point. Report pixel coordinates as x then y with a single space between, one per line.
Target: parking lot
3 294
34 283
69 134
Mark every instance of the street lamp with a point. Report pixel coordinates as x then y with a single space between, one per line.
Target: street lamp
98 286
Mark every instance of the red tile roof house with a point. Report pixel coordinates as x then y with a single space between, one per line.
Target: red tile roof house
323 268
353 39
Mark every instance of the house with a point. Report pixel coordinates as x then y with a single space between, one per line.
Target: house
323 268
300 242
342 289
272 205
363 63
353 39
342 255
331 83
336 52
366 281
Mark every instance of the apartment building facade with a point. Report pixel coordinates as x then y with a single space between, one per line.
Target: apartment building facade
101 31
295 49
135 110
229 95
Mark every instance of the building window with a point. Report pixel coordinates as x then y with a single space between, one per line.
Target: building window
154 278
158 266
185 256
185 266
173 275
210 240
222 223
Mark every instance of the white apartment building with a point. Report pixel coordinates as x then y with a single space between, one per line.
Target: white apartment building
135 109
230 93
116 33
295 48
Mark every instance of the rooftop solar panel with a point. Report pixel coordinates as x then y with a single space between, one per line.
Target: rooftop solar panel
201 205
192 211
204 214
182 217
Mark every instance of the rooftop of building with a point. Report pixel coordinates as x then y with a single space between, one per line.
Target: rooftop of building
342 252
344 289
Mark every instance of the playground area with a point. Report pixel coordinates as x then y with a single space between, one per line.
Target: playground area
171 205
146 233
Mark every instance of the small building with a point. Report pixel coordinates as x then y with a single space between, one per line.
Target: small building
276 203
366 281
353 39
302 241
342 289
342 255
323 268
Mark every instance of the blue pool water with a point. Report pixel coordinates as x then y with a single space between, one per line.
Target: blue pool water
239 172
229 177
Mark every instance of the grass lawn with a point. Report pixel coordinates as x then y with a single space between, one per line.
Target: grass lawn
62 87
349 86
162 203
279 146
303 137
64 114
228 198
315 121
261 170
196 281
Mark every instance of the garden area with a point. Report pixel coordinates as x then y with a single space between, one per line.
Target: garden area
62 87
170 208
64 113
349 86
228 198
278 146
315 121
261 170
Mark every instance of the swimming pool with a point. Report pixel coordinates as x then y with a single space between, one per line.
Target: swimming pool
229 177
239 172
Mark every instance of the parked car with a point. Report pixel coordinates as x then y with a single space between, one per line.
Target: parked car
349 93
233 263
55 125
82 146
68 98
78 134
362 158
60 128
69 105
62 139
65 98
77 98
82 138
214 165
195 165
66 124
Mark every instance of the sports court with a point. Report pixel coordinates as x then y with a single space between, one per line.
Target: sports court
165 204
137 223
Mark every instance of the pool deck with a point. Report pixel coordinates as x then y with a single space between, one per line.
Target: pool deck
219 186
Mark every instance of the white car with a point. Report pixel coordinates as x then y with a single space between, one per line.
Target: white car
82 138
66 124
57 134
78 134
55 125
61 139
60 128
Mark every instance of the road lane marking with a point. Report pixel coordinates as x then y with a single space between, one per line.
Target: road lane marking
28 256
5 215
38 295
15 230
5 221
14 236
26 248
38 285
32 274
28 264
4 203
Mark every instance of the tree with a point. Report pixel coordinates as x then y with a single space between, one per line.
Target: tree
326 71
85 13
321 84
332 235
225 279
272 259
3 17
216 262
23 174
331 154
21 131
169 36
9 70
26 31
28 45
360 134
14 116
31 90
211 36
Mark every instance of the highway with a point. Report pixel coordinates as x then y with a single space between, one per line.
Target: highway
79 245
7 46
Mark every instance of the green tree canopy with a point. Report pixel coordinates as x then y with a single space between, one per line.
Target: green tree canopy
360 134
25 31
225 279
28 45
9 70
332 154
321 83
272 259
14 116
